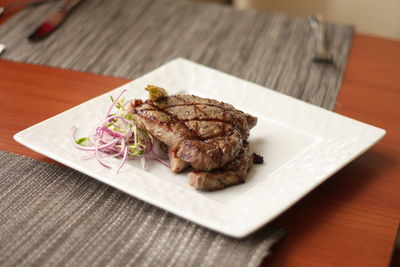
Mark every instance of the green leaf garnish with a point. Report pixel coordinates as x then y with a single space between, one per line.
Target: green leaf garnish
120 104
128 117
81 140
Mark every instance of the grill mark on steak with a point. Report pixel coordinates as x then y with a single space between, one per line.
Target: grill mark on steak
196 104
196 128
175 118
208 119
196 108
178 97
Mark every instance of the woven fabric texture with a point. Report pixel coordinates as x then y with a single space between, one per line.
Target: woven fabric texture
128 38
55 216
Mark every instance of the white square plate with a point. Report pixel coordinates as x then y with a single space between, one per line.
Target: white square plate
302 146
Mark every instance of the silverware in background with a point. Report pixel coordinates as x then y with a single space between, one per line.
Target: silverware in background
2 48
321 54
22 3
54 21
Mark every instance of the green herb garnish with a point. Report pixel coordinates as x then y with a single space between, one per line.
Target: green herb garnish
81 140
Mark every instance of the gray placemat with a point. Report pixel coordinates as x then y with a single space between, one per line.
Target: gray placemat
129 38
52 215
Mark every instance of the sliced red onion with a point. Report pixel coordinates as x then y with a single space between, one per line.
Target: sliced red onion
89 148
123 158
112 133
100 160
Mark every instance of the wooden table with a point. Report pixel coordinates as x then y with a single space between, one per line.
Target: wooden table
350 220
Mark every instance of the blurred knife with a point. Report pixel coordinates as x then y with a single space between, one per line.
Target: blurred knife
54 21
21 3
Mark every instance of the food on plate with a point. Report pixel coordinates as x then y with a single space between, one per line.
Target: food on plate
231 173
206 137
156 92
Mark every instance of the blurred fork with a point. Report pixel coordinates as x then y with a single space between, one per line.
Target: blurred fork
321 55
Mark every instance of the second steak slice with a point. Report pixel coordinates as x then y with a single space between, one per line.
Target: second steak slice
200 132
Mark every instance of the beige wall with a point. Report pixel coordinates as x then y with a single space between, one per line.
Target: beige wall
375 17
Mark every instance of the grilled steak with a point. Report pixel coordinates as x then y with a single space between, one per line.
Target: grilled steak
202 133
234 172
